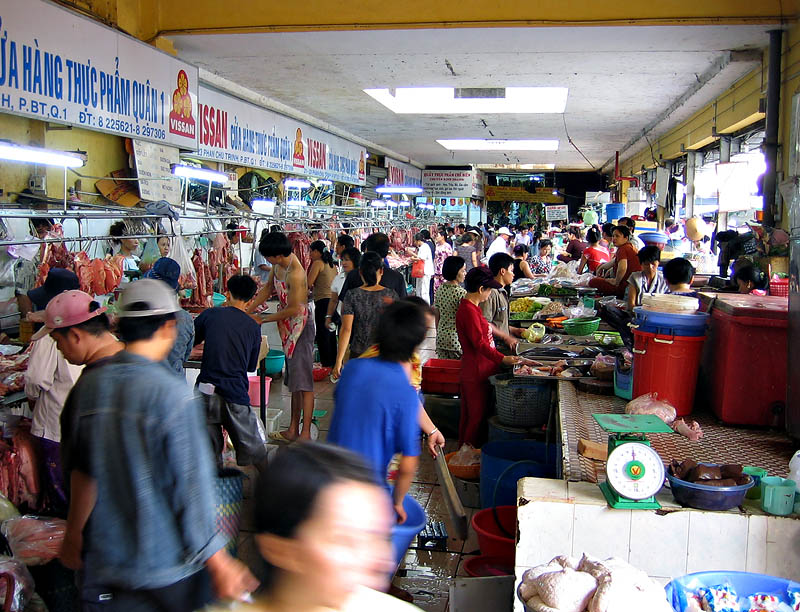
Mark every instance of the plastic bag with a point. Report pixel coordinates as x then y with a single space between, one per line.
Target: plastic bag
34 540
150 254
603 367
179 252
467 455
14 571
7 511
650 404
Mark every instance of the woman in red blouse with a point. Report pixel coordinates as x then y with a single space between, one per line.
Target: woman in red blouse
480 358
626 262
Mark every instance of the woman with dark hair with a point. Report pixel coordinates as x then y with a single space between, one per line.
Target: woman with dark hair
424 254
595 254
361 309
575 246
521 267
607 231
541 264
321 273
468 251
750 279
626 262
127 247
350 258
323 528
446 302
443 251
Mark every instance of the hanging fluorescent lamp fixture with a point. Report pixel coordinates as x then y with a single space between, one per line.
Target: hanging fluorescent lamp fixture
391 203
201 174
325 182
296 183
378 203
404 204
295 203
35 155
399 189
471 100
486 144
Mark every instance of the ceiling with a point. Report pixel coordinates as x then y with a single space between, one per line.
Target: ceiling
620 80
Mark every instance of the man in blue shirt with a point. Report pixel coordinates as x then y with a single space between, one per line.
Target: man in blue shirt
232 343
169 271
376 408
141 517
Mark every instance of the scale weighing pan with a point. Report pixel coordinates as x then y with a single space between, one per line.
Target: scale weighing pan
632 423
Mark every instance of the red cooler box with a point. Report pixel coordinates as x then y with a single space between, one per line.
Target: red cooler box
668 366
747 360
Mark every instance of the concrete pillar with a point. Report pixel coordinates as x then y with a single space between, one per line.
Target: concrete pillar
693 161
724 157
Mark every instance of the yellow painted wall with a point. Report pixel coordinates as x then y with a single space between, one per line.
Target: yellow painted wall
106 154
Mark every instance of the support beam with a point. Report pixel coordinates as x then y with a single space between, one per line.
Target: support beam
693 161
724 157
773 111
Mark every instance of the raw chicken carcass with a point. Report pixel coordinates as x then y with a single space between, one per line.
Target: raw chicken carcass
650 404
689 430
566 590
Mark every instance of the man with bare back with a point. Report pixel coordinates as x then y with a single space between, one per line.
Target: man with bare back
296 327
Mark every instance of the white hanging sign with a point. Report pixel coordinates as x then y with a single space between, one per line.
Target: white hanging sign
399 173
556 212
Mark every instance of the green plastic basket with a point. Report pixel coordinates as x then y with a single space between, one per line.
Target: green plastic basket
582 326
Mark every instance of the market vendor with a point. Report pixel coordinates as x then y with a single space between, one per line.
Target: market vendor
541 264
679 272
481 359
48 380
575 246
626 262
595 254
296 329
648 280
169 271
25 269
522 268
127 247
392 279
750 279
495 308
350 259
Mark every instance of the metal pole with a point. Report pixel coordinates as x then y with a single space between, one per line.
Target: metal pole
724 157
771 140
692 161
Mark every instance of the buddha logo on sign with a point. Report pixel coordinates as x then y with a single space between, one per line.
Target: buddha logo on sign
362 169
181 121
299 159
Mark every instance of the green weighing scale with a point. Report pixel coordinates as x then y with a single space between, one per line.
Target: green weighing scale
634 471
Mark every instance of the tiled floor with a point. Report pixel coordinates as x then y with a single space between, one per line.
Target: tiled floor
425 574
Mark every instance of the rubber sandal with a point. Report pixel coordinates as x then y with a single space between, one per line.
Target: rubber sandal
277 436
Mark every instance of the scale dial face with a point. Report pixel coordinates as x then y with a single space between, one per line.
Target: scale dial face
634 470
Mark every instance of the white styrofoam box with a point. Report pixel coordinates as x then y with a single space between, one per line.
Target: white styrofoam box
756 561
273 414
717 540
588 539
545 531
670 531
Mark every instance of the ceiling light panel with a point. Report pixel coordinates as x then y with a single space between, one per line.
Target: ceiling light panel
447 100
481 144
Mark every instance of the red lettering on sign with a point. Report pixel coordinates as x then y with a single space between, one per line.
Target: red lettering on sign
396 176
317 154
213 127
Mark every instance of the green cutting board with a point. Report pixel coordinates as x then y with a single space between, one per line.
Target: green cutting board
631 423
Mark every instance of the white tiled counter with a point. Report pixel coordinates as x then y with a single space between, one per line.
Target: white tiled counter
557 517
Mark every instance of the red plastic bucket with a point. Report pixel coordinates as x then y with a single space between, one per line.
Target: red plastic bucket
667 365
491 539
254 390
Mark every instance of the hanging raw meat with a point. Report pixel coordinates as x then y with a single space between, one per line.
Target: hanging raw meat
97 269
301 244
205 289
55 255
113 268
83 271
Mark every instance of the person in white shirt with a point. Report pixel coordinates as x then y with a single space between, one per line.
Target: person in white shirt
48 380
631 225
423 288
500 244
523 236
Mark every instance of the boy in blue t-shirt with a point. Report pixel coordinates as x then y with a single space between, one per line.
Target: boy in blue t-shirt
376 408
678 273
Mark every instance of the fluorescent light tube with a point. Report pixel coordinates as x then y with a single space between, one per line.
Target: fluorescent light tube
377 203
263 207
296 184
481 144
35 155
399 189
201 174
443 100
324 182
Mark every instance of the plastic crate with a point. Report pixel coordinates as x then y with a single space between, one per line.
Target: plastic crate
522 402
779 287
441 376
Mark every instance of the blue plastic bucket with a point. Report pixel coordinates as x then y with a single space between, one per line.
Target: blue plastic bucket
498 431
403 535
614 211
274 361
623 382
744 583
503 463
670 324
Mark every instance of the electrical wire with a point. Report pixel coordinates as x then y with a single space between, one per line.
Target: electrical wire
653 155
564 118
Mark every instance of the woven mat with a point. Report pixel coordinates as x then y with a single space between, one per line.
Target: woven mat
720 443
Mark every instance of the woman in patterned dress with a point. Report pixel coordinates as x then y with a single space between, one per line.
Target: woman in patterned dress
446 302
443 251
